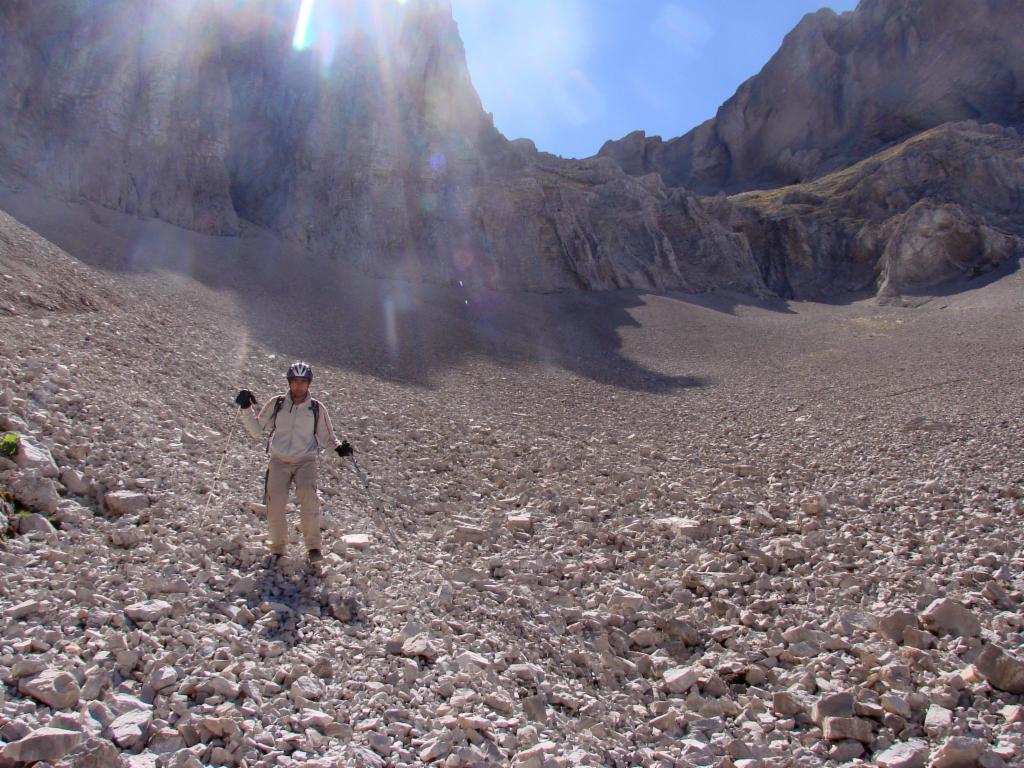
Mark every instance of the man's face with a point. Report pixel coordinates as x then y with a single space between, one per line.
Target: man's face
299 388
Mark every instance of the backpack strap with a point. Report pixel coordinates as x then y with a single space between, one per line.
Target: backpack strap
314 406
273 419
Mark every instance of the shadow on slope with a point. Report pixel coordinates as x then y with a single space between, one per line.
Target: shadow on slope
959 285
400 330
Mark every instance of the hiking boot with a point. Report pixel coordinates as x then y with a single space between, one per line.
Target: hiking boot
272 560
315 557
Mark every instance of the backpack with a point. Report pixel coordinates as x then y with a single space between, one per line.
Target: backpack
314 405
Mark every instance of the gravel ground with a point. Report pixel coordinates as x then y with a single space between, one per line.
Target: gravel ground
614 529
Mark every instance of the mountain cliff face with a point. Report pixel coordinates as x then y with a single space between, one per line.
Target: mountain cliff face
842 87
370 146
377 152
946 203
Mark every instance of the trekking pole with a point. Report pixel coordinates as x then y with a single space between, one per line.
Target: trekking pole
378 507
220 466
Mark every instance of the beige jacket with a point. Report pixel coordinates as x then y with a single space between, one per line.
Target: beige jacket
293 440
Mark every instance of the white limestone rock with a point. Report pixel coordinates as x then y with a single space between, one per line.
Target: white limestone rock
49 744
679 679
959 752
1002 669
35 458
913 753
945 616
36 523
148 610
131 730
36 493
53 687
119 503
856 728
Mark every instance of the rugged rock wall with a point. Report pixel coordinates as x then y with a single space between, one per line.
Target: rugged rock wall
119 104
842 87
377 151
372 147
947 203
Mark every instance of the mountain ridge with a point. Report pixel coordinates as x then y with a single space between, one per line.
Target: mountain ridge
379 154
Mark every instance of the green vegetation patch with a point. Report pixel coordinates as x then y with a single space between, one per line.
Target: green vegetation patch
9 444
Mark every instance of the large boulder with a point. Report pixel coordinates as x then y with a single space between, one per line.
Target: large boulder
37 493
36 458
94 752
1003 670
949 617
935 242
49 744
53 687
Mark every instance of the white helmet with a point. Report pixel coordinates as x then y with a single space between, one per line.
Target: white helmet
300 370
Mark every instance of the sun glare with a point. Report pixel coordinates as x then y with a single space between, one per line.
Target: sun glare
301 38
325 27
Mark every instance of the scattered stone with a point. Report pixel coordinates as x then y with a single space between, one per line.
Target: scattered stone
49 744
938 720
119 503
679 679
908 754
34 458
836 728
892 626
54 687
130 730
645 576
148 610
357 541
959 752
422 646
1002 670
948 617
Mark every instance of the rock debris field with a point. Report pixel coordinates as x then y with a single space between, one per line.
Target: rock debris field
718 534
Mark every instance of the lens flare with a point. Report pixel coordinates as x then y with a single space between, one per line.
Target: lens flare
301 39
391 326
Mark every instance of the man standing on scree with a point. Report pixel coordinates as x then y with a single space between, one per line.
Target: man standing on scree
299 427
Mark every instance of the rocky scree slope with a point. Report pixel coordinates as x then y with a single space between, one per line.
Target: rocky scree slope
811 560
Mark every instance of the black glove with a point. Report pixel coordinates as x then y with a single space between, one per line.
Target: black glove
245 399
344 449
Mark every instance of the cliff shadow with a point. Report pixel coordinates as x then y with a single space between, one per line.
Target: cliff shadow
727 302
327 312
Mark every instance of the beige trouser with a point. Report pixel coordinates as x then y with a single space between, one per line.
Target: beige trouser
279 479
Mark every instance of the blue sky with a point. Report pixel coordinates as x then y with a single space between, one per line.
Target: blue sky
570 74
